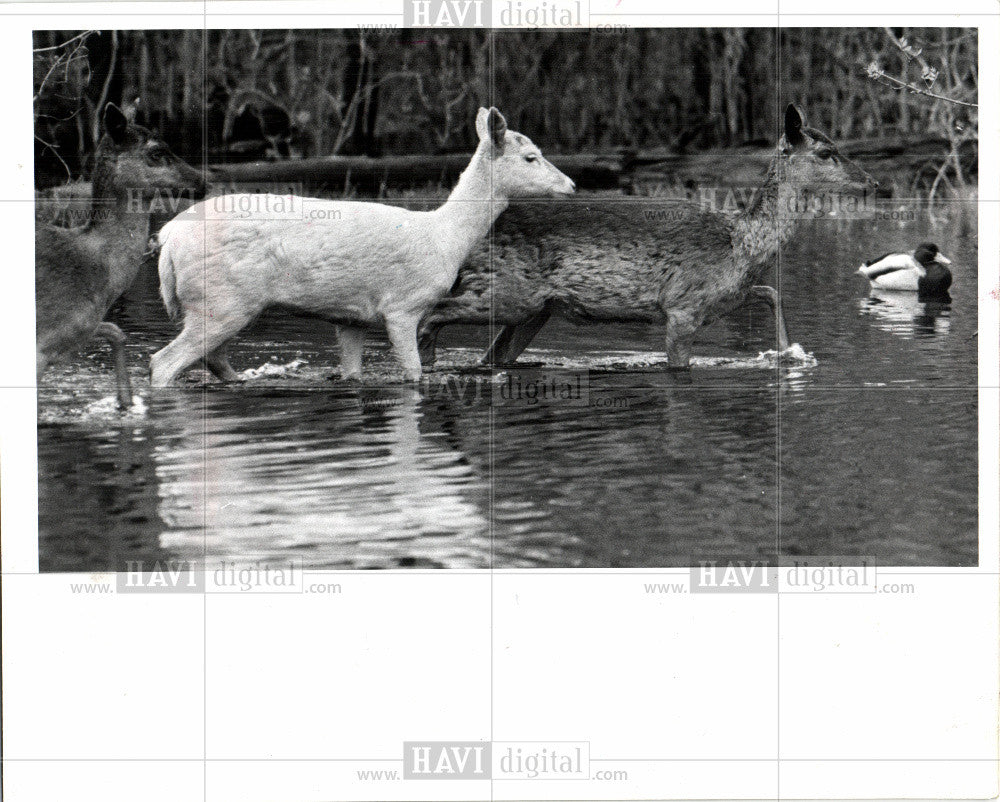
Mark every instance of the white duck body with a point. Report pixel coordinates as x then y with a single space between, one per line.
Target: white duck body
895 271
924 271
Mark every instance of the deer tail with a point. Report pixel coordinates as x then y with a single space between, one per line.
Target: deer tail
168 278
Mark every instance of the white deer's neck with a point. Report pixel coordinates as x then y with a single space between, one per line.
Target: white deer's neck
471 208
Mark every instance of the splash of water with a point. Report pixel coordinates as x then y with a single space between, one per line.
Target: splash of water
104 409
274 370
108 408
794 356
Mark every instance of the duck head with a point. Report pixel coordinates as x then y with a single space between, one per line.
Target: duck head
927 252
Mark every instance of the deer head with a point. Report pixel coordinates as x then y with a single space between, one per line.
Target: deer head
518 168
812 162
133 163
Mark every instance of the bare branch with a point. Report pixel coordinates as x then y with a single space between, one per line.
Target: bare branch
83 35
62 61
112 64
876 73
55 152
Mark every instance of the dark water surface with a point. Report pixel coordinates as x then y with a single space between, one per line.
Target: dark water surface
864 442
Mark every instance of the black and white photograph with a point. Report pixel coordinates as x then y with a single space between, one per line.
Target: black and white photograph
565 400
635 298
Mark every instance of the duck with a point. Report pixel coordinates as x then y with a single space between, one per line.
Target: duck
923 271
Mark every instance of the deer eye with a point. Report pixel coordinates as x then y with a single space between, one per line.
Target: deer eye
825 154
531 157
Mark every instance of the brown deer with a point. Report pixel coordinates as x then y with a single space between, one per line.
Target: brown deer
79 272
611 260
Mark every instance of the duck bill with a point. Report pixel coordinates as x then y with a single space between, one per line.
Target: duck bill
942 259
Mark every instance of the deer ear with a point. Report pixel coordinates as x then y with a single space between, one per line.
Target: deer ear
482 123
115 123
498 128
794 120
131 109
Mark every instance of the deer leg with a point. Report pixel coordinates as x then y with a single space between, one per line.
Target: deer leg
352 345
427 343
178 355
218 362
770 296
169 361
512 340
199 339
681 327
402 332
115 336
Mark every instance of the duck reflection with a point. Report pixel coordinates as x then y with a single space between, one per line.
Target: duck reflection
906 315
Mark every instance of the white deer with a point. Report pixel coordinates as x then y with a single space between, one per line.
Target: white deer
354 264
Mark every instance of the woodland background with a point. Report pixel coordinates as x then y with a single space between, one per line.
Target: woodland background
643 95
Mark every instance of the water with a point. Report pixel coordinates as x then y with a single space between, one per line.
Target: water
861 442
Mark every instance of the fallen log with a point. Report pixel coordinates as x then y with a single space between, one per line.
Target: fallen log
889 159
367 176
894 161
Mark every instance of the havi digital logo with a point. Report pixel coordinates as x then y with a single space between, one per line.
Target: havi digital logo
446 13
446 760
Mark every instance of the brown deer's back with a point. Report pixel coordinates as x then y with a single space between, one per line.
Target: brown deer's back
600 259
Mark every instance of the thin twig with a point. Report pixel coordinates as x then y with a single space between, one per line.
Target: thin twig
112 65
63 60
55 152
909 52
899 85
68 41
